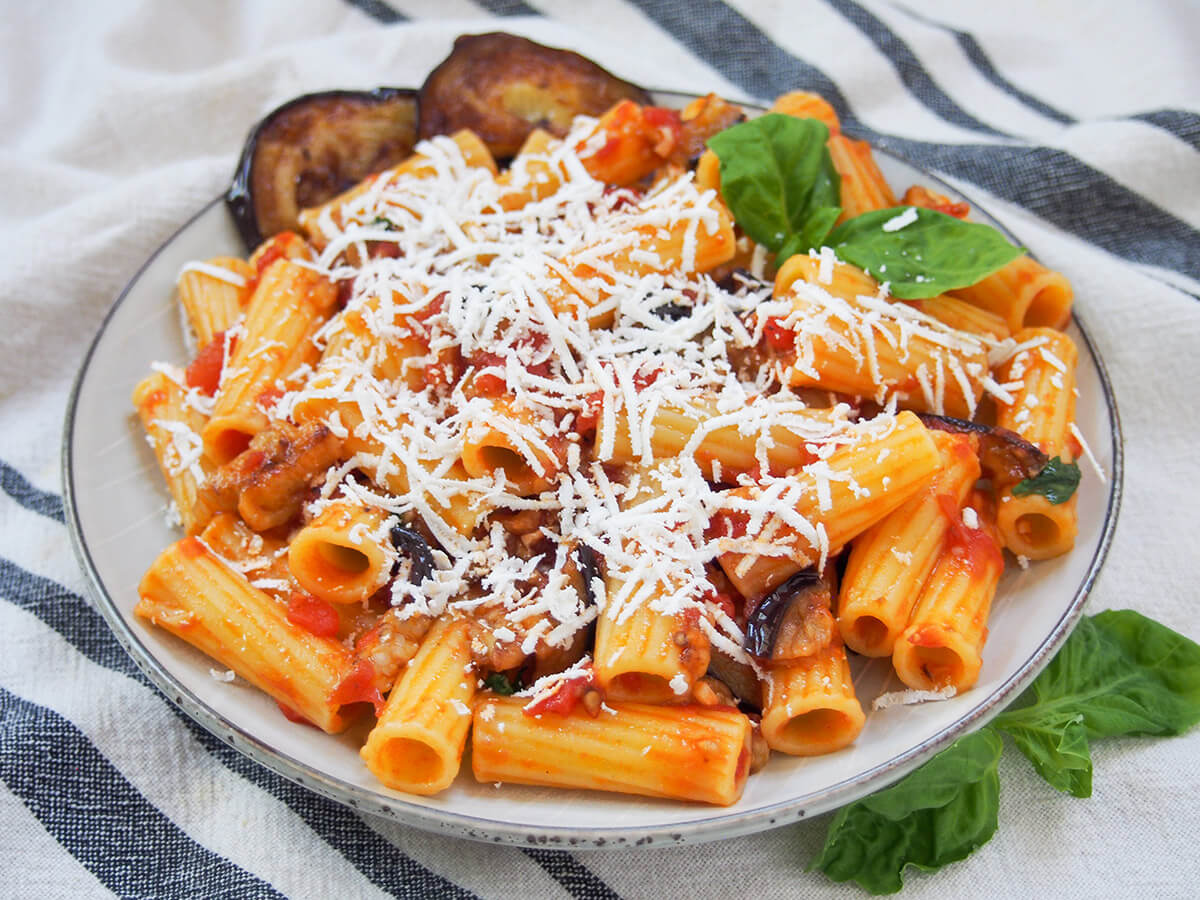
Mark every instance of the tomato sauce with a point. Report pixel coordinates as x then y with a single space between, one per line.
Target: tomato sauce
292 716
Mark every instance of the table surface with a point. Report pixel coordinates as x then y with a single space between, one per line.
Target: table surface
1078 126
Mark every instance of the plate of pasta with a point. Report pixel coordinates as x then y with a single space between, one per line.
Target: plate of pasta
666 472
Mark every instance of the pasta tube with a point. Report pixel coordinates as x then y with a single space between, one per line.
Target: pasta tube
1025 294
342 555
890 561
196 596
942 645
417 744
844 495
1042 412
695 753
214 295
810 705
289 305
173 426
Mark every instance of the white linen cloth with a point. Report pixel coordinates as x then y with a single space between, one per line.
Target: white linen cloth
121 119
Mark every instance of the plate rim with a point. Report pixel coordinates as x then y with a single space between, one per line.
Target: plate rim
723 823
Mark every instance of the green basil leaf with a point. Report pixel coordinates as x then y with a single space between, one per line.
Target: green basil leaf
933 254
1056 482
939 814
1119 673
499 683
777 177
1058 748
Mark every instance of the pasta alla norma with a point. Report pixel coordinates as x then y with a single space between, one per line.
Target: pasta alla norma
549 454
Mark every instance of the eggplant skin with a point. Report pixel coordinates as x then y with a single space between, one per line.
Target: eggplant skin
314 147
502 87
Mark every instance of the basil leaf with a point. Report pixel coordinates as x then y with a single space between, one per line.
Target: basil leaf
500 684
933 254
778 179
1056 482
937 815
1119 673
1057 745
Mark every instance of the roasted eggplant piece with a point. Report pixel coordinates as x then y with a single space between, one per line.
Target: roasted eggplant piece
700 120
313 148
1004 456
737 676
411 544
502 87
793 621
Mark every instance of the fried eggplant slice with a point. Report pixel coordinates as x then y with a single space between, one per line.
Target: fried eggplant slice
502 87
267 482
313 148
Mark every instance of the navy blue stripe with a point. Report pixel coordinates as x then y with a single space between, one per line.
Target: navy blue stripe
578 880
970 47
1182 123
18 487
379 11
84 628
1050 183
908 67
508 8
100 818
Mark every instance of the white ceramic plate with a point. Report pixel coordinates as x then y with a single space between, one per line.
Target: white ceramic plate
115 510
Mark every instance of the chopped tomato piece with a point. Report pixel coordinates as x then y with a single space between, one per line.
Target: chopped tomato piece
359 687
643 380
205 371
313 615
589 414
778 336
974 546
564 697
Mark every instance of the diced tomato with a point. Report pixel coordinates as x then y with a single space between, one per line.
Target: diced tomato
489 384
205 371
974 546
669 127
778 336
727 523
565 697
359 687
292 716
589 414
643 380
313 615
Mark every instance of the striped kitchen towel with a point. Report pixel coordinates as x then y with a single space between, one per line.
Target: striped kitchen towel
1077 125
